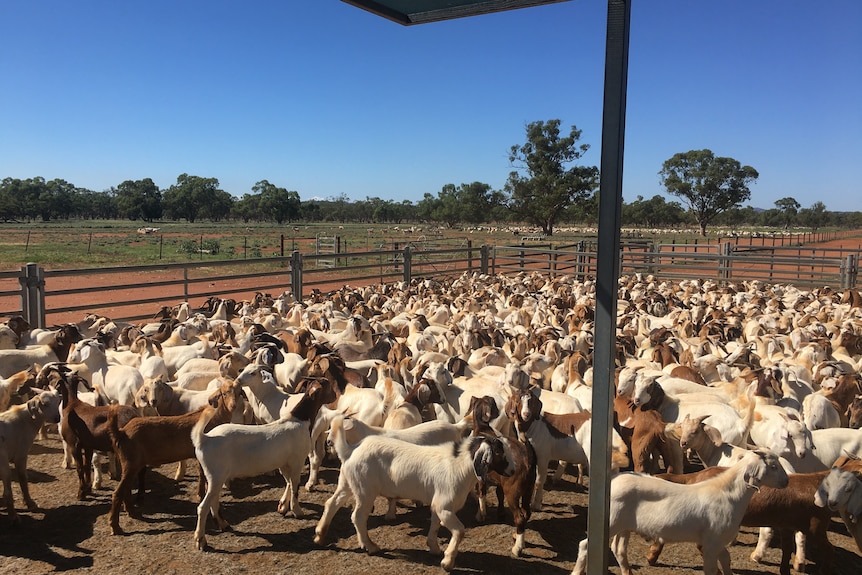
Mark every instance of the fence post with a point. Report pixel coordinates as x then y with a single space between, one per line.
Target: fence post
484 253
296 275
724 261
407 264
32 281
470 255
185 284
849 272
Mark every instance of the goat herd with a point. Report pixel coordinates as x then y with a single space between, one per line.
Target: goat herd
436 391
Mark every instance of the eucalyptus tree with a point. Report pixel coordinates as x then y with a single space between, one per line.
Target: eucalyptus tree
707 183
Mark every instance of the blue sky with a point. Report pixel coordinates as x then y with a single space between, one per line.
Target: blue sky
326 99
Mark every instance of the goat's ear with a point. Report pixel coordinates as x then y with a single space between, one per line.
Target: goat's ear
714 435
482 460
754 472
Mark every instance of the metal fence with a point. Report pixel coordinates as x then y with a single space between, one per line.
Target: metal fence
47 297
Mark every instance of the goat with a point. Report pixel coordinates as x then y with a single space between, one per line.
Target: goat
565 438
231 450
708 513
515 490
18 428
409 412
841 491
83 427
14 360
156 440
12 384
117 383
647 437
785 510
433 475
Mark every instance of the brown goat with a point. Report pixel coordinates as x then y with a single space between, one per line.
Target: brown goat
156 440
83 426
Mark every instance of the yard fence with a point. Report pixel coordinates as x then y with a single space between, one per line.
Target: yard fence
48 297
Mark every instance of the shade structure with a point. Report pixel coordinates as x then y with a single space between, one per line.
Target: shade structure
610 206
409 12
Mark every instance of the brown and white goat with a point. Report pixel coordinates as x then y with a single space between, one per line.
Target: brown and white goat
516 490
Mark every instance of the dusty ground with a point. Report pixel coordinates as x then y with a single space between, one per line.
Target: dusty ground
68 535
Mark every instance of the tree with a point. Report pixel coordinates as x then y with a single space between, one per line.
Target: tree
194 196
548 187
708 184
140 199
789 208
815 216
276 203
653 213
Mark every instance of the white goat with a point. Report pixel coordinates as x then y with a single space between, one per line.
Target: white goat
435 475
841 491
230 450
708 513
18 428
117 383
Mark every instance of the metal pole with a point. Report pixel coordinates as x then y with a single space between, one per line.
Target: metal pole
607 278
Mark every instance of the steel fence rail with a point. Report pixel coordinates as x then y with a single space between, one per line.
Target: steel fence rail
44 294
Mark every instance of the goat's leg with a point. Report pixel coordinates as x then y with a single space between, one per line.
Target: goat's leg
800 561
122 496
315 459
391 508
817 531
84 486
291 493
451 522
361 511
541 476
94 464
713 553
787 545
335 502
581 563
6 474
763 539
520 516
338 500
620 548
654 552
559 472
21 471
181 470
68 459
432 540
481 495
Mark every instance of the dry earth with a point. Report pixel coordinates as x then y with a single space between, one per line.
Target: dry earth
67 535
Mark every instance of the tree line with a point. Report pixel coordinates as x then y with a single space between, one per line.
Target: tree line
546 187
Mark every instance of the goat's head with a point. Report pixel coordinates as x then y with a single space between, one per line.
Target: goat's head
837 489
762 467
854 413
491 454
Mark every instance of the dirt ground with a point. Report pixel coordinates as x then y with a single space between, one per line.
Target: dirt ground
67 535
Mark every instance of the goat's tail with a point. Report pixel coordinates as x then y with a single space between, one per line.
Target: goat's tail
198 431
113 425
748 416
338 439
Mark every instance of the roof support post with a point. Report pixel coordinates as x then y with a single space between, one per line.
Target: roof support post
607 278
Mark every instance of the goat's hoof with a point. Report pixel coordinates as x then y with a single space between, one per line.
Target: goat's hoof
447 564
117 530
372 549
201 543
756 557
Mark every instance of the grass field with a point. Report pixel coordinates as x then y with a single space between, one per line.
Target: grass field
95 243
